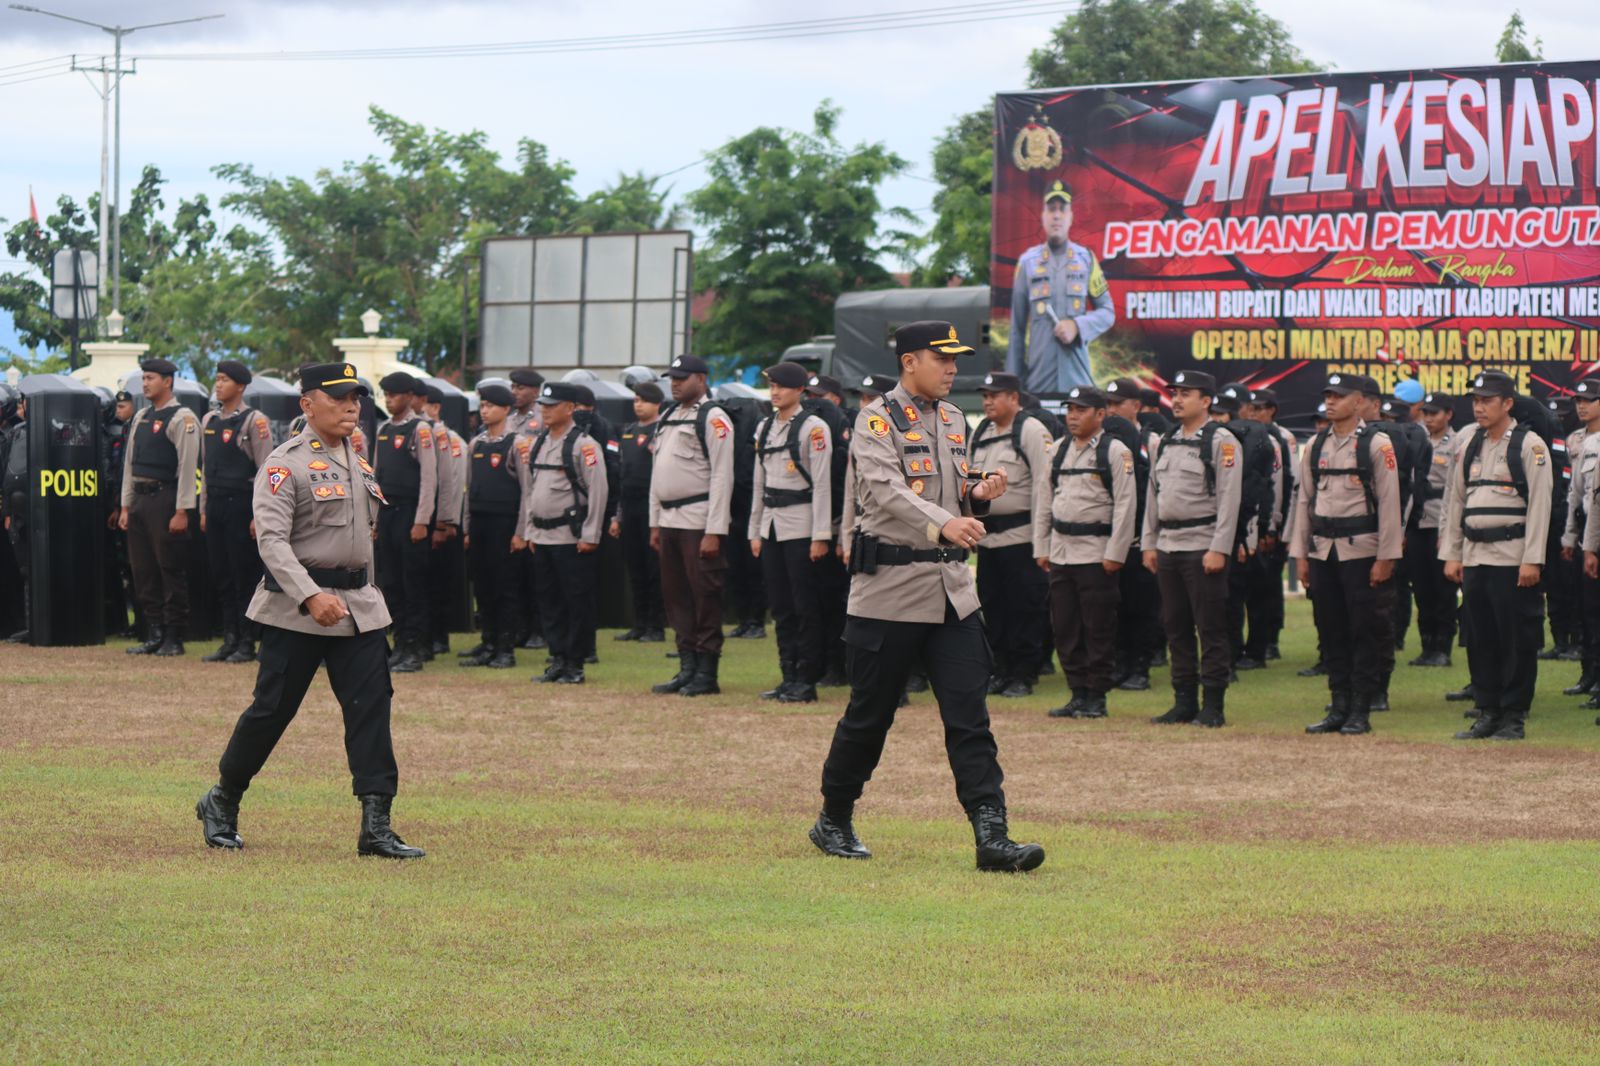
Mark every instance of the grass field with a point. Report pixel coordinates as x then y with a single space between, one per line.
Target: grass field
613 876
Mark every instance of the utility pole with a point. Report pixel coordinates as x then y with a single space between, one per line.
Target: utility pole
117 34
103 90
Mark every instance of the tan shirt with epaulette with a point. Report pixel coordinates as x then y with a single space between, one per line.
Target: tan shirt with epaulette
183 430
547 492
682 469
452 473
1491 465
1178 493
1583 451
1444 451
254 439
316 504
1084 498
1023 467
1342 495
812 520
909 485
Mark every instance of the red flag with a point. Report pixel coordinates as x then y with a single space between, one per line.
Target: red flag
33 209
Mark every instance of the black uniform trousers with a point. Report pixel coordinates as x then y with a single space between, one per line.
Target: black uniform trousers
880 654
1404 585
691 588
445 567
496 571
1264 603
1589 590
1346 608
1507 625
358 671
794 593
1139 632
235 562
569 585
644 570
1244 579
528 584
403 572
1014 593
833 601
1194 610
1083 615
20 539
1436 597
160 560
1561 593
744 581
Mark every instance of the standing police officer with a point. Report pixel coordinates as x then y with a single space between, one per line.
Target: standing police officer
1493 544
493 520
691 491
1059 303
158 492
791 528
564 496
450 504
1347 537
15 481
632 521
1436 597
1139 634
234 441
912 598
1191 516
316 509
1266 605
408 472
1583 447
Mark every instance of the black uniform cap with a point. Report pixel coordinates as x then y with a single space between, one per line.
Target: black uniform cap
1494 383
496 394
396 384
1082 396
1001 382
165 367
1124 389
1058 190
878 383
124 396
1345 384
824 384
1263 397
1443 401
336 379
788 375
649 392
687 365
1150 397
555 392
1561 405
932 334
1226 403
235 370
526 376
1587 389
1195 379
584 393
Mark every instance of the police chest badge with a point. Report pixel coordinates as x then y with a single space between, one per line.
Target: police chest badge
317 464
913 435
399 442
494 461
917 486
276 475
227 436
323 492
155 427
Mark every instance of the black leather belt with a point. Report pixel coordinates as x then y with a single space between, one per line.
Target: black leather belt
328 578
142 487
686 501
1348 526
1081 529
1187 523
1495 535
1000 523
785 497
900 555
550 523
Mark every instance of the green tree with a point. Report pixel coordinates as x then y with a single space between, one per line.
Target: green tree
1111 41
1513 46
963 165
633 202
792 221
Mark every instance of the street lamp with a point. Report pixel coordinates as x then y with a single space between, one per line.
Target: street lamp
114 324
117 34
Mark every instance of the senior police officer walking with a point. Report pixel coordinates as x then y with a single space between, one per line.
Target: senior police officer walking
1497 516
791 528
1347 537
316 510
408 472
158 492
912 598
1085 517
1191 516
234 441
564 495
691 492
1059 303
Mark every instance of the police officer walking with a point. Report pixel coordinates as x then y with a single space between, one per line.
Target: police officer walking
912 598
234 441
408 472
691 492
315 510
791 528
493 520
1059 303
1084 523
631 525
1436 597
1347 537
1493 544
1191 516
158 492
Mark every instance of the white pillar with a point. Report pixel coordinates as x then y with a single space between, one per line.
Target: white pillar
110 363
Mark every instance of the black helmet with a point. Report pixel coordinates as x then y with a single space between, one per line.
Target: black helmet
108 402
9 396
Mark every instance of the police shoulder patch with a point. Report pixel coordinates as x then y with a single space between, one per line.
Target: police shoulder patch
589 456
877 426
276 476
1229 453
720 426
1538 455
1388 456
424 436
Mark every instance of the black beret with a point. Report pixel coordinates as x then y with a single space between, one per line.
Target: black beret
496 394
235 370
336 379
788 375
649 392
398 383
432 393
585 395
159 366
124 396
525 375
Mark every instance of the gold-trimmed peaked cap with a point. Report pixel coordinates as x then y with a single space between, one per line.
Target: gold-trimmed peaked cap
336 379
1058 190
932 334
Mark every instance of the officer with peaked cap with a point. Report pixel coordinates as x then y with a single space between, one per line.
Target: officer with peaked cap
158 492
408 472
912 598
234 441
1493 543
1059 303
316 509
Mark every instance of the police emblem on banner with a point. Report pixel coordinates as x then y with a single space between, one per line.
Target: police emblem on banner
1036 146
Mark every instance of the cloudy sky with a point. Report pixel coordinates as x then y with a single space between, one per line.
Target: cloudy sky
603 111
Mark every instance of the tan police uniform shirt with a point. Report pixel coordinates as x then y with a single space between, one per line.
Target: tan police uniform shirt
452 489
1178 492
1583 449
1491 465
316 504
909 486
423 451
1282 482
1343 496
1023 467
524 421
776 470
548 494
1084 498
682 469
183 430
1444 450
254 439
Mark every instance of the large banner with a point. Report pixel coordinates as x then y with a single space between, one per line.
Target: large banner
1412 224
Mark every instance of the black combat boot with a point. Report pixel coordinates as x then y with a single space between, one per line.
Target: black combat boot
1585 683
484 646
245 652
1185 707
1487 725
1316 669
230 641
1138 678
156 638
1211 711
1273 653
406 660
704 681
1510 726
1460 695
478 656
996 850
503 658
632 634
171 642
1379 700
533 641
377 836
572 673
1358 722
916 681
218 812
1094 705
552 672
834 835
787 668
1337 713
686 667
1594 699
1016 688
1071 708
653 635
